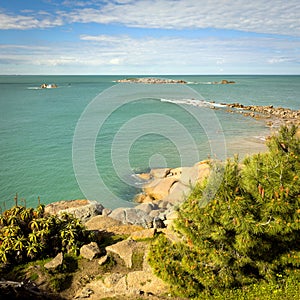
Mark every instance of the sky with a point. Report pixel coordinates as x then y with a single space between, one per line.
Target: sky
149 37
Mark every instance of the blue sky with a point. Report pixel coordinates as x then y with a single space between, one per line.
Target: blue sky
150 37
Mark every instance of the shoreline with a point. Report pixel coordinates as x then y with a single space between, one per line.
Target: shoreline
273 116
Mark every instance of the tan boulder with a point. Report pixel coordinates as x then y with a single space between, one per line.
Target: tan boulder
90 251
158 189
143 234
160 172
144 176
178 193
124 229
101 223
124 250
142 198
55 262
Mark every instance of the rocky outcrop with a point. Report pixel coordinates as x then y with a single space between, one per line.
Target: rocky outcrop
224 81
133 216
81 209
274 116
148 80
134 283
48 86
173 185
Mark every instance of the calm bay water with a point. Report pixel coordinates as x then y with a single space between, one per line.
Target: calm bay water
37 128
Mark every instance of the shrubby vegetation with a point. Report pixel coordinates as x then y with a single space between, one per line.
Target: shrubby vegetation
245 234
28 234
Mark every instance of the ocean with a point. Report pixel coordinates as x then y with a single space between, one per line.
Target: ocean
90 136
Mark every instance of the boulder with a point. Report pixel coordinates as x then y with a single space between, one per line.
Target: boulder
160 172
132 216
143 198
158 223
101 223
102 260
81 209
158 189
124 229
191 175
147 207
55 262
143 234
90 251
173 185
178 193
124 250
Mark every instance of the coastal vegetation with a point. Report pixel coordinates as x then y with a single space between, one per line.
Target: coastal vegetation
235 237
28 234
242 238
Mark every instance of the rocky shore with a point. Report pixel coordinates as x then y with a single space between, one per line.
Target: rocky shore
273 116
126 232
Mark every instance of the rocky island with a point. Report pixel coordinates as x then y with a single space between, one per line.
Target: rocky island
148 80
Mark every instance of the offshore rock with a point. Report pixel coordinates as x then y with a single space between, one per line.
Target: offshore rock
148 80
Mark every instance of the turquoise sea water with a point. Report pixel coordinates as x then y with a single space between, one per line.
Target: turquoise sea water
37 128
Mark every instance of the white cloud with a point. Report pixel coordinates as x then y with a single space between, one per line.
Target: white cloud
23 22
275 17
261 16
278 59
124 54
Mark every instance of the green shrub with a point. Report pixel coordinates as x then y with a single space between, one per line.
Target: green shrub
243 233
28 234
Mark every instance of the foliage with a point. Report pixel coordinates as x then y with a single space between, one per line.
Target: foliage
246 233
28 234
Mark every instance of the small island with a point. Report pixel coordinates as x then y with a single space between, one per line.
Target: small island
48 86
148 80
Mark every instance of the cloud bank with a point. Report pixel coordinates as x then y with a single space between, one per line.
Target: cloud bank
260 16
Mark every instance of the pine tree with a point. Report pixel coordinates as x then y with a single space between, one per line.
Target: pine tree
248 230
